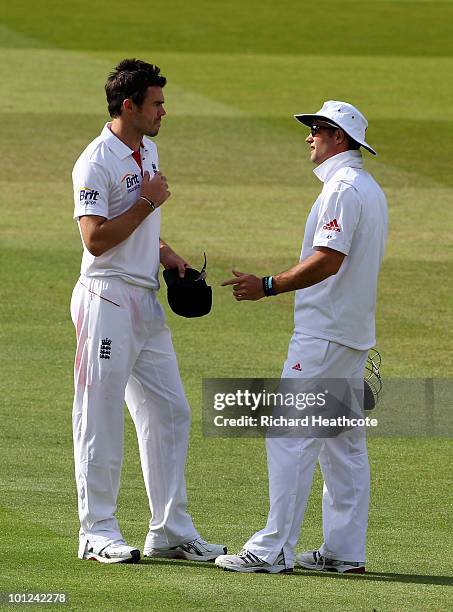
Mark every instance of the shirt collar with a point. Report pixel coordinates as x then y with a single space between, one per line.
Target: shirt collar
116 145
328 168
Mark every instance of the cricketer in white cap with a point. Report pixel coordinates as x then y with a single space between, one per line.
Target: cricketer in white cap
335 283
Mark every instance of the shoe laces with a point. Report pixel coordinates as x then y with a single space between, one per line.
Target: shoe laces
196 540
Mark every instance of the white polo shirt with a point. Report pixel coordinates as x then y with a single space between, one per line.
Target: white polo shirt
350 216
107 181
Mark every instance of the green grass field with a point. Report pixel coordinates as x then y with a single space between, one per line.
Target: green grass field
242 186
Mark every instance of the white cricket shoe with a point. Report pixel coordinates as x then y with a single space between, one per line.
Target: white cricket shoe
195 550
245 561
313 560
117 552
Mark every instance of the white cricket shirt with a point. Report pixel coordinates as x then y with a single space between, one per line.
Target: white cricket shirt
107 181
350 216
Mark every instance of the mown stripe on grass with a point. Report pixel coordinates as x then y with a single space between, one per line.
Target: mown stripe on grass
263 84
348 27
227 150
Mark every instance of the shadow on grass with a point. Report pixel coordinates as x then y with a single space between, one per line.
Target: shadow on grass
382 577
178 562
372 576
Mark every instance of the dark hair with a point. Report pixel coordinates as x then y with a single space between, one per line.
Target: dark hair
352 144
130 79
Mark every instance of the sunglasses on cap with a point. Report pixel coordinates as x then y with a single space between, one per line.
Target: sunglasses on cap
317 127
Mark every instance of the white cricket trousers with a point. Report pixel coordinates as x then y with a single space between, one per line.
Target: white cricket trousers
292 461
125 352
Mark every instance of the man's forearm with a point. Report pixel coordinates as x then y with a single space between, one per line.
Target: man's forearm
308 272
164 249
101 236
169 259
323 263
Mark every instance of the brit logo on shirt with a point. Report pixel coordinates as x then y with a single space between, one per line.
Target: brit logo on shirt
88 196
131 181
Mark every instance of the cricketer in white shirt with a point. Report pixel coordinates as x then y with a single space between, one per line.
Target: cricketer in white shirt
335 284
124 347
107 181
350 216
125 352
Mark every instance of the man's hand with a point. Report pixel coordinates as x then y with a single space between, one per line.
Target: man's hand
155 189
169 259
245 286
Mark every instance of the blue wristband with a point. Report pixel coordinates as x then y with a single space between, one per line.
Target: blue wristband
267 286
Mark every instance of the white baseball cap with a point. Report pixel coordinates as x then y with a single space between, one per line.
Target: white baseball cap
346 116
